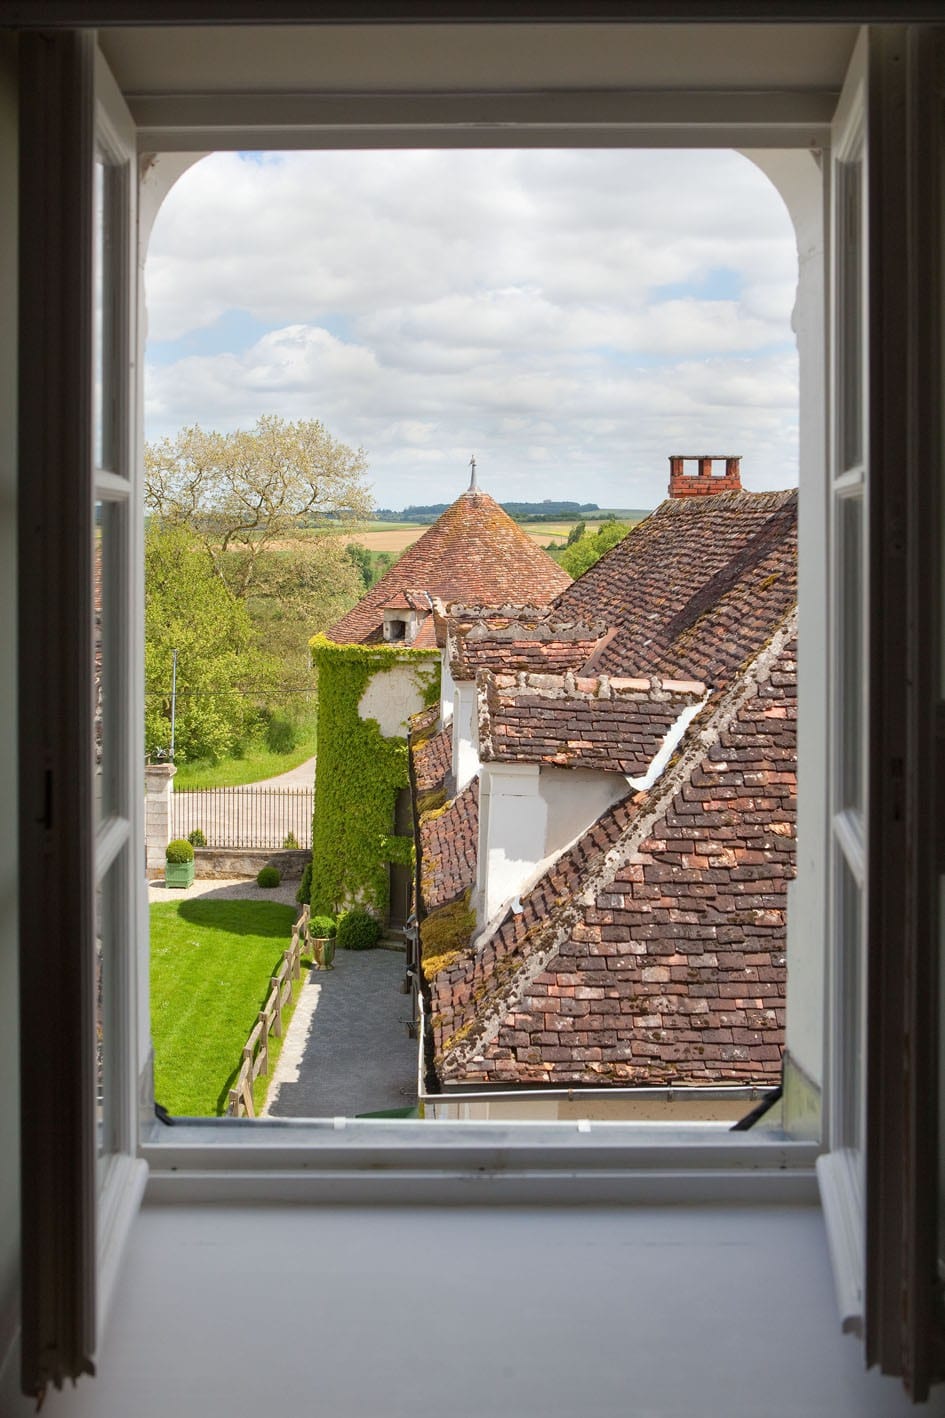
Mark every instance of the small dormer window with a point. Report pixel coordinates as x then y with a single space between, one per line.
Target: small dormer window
396 629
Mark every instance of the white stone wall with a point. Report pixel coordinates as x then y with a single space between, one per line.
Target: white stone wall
392 696
465 734
158 787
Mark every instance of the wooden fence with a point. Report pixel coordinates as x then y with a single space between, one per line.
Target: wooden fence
256 1048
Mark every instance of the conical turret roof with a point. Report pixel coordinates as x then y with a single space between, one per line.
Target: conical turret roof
473 553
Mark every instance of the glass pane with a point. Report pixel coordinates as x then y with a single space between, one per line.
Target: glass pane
941 1080
104 288
850 314
98 297
850 720
849 897
108 730
99 1026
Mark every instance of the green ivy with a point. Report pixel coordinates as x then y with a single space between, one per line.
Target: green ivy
358 777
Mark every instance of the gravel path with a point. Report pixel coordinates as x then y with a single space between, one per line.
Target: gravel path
241 889
347 1050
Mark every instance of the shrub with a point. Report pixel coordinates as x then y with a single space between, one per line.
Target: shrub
197 838
357 931
282 734
291 842
178 852
319 926
268 876
304 894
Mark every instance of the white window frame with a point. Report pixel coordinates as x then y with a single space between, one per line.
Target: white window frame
388 1161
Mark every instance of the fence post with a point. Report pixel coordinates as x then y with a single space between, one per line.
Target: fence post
157 814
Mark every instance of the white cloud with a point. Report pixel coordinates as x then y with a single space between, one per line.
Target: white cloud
555 312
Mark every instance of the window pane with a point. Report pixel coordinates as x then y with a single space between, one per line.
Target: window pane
106 193
105 745
99 1027
850 687
850 317
849 898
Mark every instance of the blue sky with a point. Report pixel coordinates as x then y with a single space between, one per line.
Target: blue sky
571 317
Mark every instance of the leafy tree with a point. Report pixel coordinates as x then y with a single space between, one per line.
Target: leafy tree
189 609
242 492
581 555
576 533
360 559
298 590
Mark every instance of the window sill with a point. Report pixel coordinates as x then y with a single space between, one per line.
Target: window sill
468 1163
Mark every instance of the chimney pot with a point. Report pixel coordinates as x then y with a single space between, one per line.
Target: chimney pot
701 480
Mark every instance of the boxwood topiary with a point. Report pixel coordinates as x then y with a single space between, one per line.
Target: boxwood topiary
197 838
320 926
268 876
357 931
178 852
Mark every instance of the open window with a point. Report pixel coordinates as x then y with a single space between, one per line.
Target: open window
79 513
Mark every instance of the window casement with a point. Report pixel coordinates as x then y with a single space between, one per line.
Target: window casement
81 853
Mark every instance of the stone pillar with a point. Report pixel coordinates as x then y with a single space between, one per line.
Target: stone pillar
158 786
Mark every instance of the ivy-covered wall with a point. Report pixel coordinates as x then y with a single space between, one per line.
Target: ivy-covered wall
359 774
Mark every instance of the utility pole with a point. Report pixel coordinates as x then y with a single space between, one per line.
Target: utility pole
173 702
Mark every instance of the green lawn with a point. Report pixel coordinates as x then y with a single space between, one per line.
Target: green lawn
211 962
258 762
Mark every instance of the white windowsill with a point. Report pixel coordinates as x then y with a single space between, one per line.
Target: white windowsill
392 1162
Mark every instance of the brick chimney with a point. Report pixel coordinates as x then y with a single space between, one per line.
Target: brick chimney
711 473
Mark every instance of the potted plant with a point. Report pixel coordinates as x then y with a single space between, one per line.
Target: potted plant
321 937
178 863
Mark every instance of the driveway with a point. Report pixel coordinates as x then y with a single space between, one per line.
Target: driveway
252 815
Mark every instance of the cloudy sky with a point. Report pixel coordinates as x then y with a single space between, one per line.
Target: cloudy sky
572 317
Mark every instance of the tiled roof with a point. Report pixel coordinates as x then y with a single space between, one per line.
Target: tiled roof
517 638
618 725
695 589
652 950
449 828
409 600
432 753
474 552
448 839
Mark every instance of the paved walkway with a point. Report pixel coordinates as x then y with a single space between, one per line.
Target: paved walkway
347 1050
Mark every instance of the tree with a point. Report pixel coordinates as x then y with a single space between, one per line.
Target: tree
581 555
190 610
242 492
297 591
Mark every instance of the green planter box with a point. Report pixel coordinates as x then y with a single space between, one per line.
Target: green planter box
178 873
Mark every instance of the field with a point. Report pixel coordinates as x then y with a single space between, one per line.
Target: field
397 536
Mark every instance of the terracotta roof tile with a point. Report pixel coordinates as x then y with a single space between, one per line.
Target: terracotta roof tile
670 968
696 588
615 725
517 639
473 552
449 838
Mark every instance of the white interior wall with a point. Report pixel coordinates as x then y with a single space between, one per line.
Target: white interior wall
9 1057
516 1312
798 177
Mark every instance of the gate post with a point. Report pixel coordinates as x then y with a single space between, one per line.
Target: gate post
158 785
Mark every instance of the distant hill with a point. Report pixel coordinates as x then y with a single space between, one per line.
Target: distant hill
545 511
